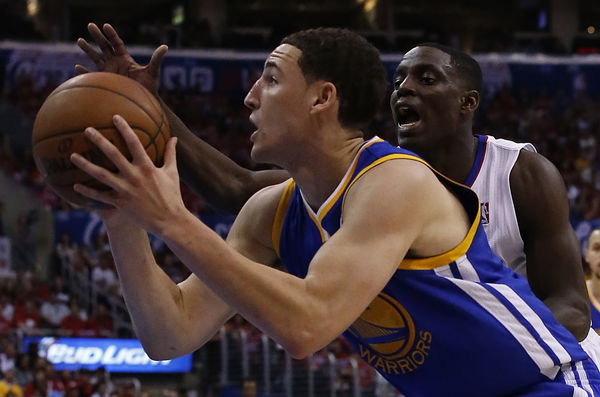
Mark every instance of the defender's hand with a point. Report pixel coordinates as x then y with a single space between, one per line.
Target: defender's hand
115 58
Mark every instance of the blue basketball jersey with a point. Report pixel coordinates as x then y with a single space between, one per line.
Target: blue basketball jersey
595 309
457 324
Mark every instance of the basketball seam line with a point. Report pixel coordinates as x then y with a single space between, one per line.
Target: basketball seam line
114 92
159 125
77 131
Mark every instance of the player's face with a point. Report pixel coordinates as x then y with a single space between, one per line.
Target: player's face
279 106
426 99
592 253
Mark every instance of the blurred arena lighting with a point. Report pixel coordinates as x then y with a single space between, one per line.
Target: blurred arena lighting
33 7
178 15
368 5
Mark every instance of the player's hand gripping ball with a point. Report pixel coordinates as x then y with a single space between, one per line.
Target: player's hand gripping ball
91 100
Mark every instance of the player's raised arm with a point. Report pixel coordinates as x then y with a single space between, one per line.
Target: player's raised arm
225 184
553 255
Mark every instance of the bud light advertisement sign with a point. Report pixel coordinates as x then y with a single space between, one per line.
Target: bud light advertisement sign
116 355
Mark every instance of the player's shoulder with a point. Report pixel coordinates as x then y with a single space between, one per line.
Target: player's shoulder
393 179
406 167
506 144
255 220
534 167
537 187
266 200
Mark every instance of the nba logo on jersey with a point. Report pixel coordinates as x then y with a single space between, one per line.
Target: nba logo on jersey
485 213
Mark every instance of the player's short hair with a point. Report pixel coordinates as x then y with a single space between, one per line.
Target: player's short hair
351 63
467 67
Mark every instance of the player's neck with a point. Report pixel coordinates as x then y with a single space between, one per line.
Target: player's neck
455 159
321 171
595 288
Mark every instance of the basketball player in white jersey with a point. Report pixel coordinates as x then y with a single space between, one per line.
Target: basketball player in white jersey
524 202
436 93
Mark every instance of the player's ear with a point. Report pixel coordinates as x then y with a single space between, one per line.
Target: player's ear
325 96
469 101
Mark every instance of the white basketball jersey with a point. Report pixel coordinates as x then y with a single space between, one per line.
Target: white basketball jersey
490 179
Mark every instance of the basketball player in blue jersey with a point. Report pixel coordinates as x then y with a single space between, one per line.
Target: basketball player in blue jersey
377 245
592 257
525 211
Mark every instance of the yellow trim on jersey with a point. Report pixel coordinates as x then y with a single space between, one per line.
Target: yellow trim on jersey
322 231
447 257
342 187
455 253
379 161
282 206
386 158
591 296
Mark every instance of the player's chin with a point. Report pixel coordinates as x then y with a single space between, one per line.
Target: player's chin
411 140
265 157
257 154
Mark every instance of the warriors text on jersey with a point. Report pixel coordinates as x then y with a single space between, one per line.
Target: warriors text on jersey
457 324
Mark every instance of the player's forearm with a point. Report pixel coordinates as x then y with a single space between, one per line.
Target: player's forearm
279 304
555 275
152 299
572 313
210 173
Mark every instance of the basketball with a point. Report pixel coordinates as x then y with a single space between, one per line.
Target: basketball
91 100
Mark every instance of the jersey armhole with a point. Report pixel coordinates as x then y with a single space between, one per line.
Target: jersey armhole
282 207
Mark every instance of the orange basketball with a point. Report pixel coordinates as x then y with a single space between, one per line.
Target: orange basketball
91 100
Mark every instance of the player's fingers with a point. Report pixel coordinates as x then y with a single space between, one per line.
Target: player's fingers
100 39
115 40
95 171
80 69
94 55
156 60
170 153
105 200
109 150
138 153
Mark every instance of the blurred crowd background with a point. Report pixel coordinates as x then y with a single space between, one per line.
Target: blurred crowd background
57 278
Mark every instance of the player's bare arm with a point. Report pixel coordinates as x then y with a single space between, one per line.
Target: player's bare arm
553 258
381 224
301 314
213 175
220 180
170 320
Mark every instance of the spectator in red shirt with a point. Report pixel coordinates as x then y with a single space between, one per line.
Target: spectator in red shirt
39 386
67 380
100 324
73 324
84 384
27 316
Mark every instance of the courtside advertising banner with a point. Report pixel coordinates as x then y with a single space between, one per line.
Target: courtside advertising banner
116 355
